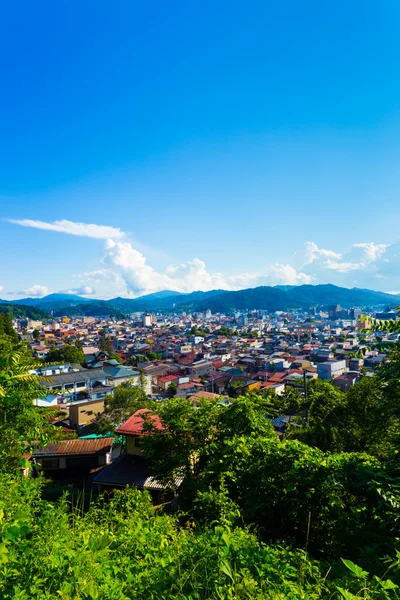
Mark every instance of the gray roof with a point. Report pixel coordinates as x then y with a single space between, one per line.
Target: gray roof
121 371
86 375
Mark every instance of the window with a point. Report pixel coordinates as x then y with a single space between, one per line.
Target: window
69 386
50 463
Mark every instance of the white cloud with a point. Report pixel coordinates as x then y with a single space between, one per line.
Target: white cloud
85 290
312 253
372 251
80 229
131 265
36 291
361 257
343 267
125 270
286 274
1 288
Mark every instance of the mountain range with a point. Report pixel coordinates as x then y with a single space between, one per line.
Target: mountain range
269 298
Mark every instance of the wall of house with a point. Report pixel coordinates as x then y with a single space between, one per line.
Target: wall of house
132 445
84 413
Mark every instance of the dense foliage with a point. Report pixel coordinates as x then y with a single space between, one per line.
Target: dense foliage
66 354
126 399
96 308
21 424
19 310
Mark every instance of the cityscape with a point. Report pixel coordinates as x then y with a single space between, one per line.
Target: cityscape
199 300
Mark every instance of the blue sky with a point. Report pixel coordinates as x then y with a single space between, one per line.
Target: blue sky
218 144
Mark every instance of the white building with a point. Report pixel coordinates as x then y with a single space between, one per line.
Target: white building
330 369
147 320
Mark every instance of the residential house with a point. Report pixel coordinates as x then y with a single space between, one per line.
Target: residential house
131 468
74 454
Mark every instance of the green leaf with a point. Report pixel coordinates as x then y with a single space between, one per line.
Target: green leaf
358 572
347 595
387 584
225 568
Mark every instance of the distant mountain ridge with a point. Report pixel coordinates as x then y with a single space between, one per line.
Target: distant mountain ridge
283 297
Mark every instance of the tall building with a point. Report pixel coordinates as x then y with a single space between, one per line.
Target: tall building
147 320
207 314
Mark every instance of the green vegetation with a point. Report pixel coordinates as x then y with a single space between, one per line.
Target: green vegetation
127 399
106 346
126 550
97 308
172 389
21 423
66 354
19 310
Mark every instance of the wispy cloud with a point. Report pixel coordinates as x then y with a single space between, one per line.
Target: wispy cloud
80 229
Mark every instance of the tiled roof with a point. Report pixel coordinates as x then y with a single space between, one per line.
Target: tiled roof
76 447
134 425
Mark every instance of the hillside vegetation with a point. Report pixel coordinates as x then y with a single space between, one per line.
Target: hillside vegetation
18 310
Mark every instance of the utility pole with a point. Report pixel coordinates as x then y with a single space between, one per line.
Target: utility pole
305 396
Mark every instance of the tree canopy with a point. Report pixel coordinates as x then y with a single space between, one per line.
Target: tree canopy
66 354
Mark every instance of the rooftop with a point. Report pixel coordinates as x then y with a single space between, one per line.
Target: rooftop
134 425
76 447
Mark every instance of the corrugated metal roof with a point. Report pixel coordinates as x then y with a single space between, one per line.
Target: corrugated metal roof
86 375
76 447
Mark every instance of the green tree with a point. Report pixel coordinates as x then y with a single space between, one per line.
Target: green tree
36 334
106 346
126 399
323 425
150 355
172 389
6 328
20 422
66 354
115 356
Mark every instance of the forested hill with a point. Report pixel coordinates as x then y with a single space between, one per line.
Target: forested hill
264 297
19 310
97 308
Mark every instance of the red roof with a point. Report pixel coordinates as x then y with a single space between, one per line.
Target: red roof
134 425
218 364
76 447
277 377
166 378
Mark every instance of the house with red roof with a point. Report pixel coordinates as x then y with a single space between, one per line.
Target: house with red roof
135 428
131 468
